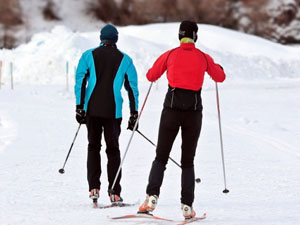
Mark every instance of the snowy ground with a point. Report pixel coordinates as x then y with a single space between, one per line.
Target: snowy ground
260 106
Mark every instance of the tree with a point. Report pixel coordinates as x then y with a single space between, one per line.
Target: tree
9 18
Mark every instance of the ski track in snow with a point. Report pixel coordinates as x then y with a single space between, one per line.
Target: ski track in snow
279 145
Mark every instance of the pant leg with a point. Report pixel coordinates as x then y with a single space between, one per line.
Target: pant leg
190 130
112 130
168 129
94 130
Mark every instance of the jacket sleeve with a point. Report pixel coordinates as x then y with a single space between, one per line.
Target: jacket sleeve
158 68
215 70
131 85
81 75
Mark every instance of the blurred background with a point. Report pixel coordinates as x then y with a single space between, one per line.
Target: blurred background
276 20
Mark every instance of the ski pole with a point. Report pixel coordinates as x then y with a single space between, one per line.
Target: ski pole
62 170
221 139
197 180
134 129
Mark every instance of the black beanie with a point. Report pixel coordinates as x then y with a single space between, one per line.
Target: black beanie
188 29
109 33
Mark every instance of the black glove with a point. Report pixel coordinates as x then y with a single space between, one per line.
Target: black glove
80 116
132 120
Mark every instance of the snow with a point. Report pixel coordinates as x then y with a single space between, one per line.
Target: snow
48 52
260 107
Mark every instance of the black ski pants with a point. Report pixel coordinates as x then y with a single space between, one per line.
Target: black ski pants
111 129
171 121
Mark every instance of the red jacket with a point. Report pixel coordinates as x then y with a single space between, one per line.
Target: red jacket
185 67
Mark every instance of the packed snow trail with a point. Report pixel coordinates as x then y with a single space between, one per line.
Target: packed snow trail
262 178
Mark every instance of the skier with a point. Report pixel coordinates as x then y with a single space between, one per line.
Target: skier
185 66
100 75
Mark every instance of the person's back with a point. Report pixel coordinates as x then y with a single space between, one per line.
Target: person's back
111 66
186 66
107 61
108 68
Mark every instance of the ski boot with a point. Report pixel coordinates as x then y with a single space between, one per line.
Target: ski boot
115 199
149 204
94 195
188 211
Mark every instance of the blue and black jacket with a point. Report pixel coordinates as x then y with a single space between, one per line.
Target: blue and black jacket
100 75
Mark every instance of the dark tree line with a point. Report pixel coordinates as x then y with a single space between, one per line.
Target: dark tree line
11 19
250 16
273 19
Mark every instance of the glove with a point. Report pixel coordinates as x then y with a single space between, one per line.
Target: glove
80 116
132 120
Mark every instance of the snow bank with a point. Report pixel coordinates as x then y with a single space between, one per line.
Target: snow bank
44 59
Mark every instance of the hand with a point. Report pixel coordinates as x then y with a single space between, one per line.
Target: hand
132 120
80 116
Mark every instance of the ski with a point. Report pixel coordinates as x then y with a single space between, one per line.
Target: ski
111 205
120 204
151 216
141 215
194 219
